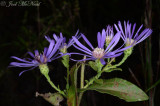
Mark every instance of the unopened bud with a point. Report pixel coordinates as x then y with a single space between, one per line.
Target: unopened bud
44 69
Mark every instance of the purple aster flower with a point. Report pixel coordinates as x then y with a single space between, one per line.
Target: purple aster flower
128 33
109 34
49 54
99 52
64 46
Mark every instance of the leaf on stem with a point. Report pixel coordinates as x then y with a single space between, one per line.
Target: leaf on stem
120 88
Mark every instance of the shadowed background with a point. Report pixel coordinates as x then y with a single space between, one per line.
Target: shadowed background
22 29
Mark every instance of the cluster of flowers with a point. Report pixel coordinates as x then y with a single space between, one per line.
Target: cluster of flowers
107 40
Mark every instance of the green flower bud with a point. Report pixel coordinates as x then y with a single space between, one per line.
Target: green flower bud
44 69
63 49
128 51
108 40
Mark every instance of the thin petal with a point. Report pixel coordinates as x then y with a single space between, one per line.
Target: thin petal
84 59
90 53
80 45
81 54
103 38
138 31
22 60
134 26
16 64
36 52
115 55
113 42
26 70
31 54
54 58
50 48
56 47
102 61
87 41
99 39
55 37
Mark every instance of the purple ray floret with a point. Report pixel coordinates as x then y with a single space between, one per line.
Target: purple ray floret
99 52
129 35
67 45
49 54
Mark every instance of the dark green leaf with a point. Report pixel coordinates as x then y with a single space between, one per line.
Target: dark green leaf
113 69
119 88
97 66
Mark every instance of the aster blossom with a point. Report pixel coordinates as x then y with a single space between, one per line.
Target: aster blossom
130 36
49 54
109 34
64 46
101 52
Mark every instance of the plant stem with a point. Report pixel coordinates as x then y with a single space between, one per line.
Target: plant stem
79 98
82 81
67 78
82 75
52 84
93 79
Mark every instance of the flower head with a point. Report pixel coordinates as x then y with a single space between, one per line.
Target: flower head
49 54
109 34
64 46
99 52
129 36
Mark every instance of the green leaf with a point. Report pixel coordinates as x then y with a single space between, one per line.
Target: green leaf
97 66
119 88
72 92
154 85
113 69
99 81
72 97
93 65
73 74
53 98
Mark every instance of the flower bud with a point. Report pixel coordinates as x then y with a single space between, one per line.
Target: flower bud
63 49
128 51
44 69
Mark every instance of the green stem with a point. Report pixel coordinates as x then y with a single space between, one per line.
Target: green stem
79 98
122 61
67 78
93 79
82 81
127 53
52 84
82 75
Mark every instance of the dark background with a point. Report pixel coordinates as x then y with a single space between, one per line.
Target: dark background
22 29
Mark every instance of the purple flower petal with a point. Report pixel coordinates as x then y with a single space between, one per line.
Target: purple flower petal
16 64
80 45
90 53
22 60
56 47
103 39
83 59
102 61
50 48
87 41
99 39
113 42
31 54
26 70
